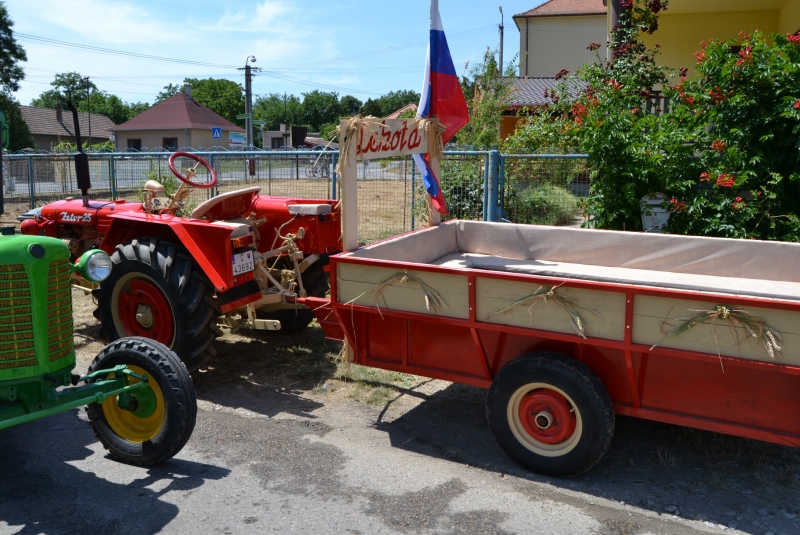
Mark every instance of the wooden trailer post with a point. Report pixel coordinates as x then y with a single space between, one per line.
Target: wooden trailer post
369 138
348 176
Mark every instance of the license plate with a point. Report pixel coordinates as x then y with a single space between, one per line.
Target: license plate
243 263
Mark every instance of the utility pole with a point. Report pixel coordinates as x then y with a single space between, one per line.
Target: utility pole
88 110
501 41
248 98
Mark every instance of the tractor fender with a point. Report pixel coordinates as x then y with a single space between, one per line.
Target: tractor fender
208 244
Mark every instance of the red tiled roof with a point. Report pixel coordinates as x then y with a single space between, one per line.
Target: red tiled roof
554 8
178 111
44 121
398 113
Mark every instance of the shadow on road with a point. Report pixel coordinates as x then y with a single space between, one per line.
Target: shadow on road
44 487
706 476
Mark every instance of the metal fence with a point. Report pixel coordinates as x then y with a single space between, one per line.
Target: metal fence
478 185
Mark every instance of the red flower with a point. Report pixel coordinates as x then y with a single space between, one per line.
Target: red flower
718 145
725 180
737 205
704 177
793 38
700 56
655 6
615 85
626 4
635 110
676 205
797 104
593 46
562 73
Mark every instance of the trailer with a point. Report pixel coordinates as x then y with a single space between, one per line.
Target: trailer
567 327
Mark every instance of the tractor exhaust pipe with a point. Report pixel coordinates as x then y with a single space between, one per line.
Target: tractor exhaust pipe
81 159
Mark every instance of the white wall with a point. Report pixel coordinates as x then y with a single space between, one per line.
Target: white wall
555 43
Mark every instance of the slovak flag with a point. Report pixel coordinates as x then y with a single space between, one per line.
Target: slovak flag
441 98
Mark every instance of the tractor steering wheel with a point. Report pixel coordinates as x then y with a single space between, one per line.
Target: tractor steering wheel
191 172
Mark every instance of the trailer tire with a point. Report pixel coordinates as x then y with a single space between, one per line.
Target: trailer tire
145 439
171 289
316 283
550 414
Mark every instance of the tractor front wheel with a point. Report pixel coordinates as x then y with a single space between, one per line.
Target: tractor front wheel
156 421
155 290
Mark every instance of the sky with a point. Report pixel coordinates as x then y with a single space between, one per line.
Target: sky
365 48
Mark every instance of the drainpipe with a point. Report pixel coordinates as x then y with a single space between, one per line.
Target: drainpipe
613 10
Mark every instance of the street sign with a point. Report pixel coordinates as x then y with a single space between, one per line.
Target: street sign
259 123
243 116
216 132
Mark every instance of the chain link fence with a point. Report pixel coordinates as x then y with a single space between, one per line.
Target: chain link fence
391 194
544 189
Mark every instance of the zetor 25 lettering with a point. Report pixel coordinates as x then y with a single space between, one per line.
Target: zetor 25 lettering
76 218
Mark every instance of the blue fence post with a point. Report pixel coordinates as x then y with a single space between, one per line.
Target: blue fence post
334 161
112 177
486 164
494 184
501 190
213 191
30 182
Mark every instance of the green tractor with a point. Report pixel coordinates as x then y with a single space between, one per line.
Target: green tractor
138 395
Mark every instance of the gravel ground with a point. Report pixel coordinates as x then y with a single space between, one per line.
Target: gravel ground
288 440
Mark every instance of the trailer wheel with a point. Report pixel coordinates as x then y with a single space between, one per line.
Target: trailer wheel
550 413
316 283
156 291
145 436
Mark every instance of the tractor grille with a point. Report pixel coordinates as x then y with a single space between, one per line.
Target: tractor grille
16 319
59 315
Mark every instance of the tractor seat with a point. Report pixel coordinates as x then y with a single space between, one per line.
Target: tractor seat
225 206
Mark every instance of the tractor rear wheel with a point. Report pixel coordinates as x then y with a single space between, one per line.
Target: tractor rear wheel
161 418
550 413
156 290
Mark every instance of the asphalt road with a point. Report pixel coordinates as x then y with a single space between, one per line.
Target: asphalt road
285 463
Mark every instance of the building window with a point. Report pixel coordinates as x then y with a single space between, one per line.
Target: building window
134 145
170 143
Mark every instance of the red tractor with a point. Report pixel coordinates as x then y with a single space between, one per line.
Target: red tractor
239 259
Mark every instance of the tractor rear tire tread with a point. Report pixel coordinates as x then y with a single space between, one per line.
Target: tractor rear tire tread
185 286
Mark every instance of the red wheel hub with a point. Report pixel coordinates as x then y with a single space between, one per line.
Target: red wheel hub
144 311
547 416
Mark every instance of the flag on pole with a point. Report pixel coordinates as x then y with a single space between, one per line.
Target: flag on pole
441 98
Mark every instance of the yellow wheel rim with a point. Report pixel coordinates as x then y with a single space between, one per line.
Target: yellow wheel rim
126 424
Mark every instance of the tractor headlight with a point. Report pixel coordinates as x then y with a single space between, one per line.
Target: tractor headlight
94 265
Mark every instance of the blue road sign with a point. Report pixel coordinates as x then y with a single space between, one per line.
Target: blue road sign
216 132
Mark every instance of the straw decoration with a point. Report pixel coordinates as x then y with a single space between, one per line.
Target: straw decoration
433 299
755 327
569 304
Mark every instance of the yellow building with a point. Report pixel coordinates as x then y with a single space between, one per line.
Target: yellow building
686 23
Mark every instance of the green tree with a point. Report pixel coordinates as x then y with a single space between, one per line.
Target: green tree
371 107
86 97
19 133
394 100
350 105
277 108
220 95
169 90
11 53
486 108
320 108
